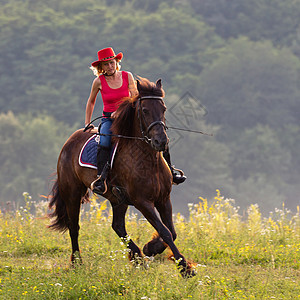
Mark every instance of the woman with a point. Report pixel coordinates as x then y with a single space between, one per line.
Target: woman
113 85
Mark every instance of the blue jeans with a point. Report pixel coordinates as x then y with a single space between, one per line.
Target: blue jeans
105 140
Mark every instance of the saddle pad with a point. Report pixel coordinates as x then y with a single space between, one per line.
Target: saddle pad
88 153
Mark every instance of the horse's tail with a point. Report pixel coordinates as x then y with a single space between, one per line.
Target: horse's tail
59 214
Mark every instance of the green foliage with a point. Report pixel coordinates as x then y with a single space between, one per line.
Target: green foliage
252 91
258 159
254 258
29 151
252 83
273 20
238 58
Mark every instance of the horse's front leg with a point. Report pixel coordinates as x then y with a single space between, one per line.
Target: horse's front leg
157 245
118 225
147 209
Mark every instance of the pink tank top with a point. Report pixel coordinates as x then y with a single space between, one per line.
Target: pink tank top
112 97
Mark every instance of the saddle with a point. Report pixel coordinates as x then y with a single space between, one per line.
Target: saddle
88 153
88 158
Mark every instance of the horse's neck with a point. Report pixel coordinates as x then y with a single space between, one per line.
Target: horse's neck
145 150
139 152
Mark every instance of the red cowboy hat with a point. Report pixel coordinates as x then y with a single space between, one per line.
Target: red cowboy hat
106 54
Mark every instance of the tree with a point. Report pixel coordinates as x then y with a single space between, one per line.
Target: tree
251 83
260 20
29 150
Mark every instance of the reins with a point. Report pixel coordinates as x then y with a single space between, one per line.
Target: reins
112 135
190 130
141 118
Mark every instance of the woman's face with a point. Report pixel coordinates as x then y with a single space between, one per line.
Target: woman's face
109 67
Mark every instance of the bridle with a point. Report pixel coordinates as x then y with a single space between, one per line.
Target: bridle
141 117
142 120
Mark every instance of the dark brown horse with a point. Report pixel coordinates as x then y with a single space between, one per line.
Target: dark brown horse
139 176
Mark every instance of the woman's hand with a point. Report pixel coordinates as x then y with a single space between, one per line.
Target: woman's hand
88 127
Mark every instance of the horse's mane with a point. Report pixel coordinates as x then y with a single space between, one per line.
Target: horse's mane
123 122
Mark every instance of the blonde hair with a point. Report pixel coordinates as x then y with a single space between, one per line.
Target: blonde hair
98 69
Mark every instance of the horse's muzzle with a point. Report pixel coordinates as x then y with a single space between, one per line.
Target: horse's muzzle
159 143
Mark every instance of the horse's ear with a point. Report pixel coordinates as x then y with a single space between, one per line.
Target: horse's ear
158 83
138 84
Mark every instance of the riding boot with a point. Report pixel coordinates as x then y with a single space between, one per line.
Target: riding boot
99 186
177 178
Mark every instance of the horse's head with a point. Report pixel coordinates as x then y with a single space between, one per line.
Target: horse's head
151 111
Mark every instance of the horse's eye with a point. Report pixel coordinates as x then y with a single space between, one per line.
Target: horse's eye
145 111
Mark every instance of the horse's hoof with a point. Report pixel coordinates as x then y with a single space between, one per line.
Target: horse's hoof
137 260
155 246
186 268
189 273
76 259
146 251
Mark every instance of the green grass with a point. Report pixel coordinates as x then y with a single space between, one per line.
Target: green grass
235 258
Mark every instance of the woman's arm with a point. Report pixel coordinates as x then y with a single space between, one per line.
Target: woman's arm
96 86
131 85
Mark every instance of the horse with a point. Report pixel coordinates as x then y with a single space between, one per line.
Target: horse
139 176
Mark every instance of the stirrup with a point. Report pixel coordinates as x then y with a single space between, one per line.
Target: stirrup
95 189
178 170
177 178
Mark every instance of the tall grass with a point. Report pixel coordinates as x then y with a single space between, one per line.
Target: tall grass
237 257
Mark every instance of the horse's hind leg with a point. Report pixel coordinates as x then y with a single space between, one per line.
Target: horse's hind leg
73 213
118 226
157 245
73 198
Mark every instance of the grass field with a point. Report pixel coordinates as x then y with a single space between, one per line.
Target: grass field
236 257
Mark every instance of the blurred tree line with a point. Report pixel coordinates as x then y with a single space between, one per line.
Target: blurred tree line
240 60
